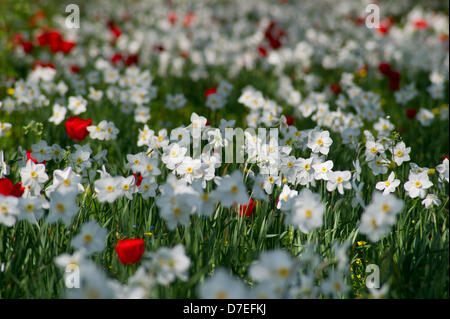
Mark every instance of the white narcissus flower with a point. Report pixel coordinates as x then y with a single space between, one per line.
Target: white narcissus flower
232 190
142 114
425 117
323 170
9 210
270 181
170 264
401 153
417 184
189 169
383 126
275 265
388 186
173 155
32 208
431 200
91 238
77 104
373 149
148 187
334 284
320 142
94 94
97 131
128 186
65 181
443 170
63 207
108 189
380 215
339 180
41 151
33 176
58 115
307 211
4 168
283 200
222 286
379 165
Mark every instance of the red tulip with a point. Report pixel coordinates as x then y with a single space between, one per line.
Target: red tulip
66 46
335 88
75 68
76 128
420 24
172 17
17 190
247 210
6 186
33 160
188 18
394 85
117 57
130 251
384 68
43 64
8 189
289 120
411 113
262 51
132 59
27 46
210 91
138 179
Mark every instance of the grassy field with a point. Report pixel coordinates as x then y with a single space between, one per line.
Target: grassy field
413 256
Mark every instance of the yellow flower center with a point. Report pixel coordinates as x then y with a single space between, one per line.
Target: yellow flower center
177 211
234 189
283 272
87 238
30 207
418 184
221 295
33 174
67 182
290 164
110 188
60 207
308 213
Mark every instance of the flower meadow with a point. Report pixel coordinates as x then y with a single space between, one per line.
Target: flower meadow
224 149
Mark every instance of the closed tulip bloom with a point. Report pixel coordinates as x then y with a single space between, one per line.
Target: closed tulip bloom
77 128
130 251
